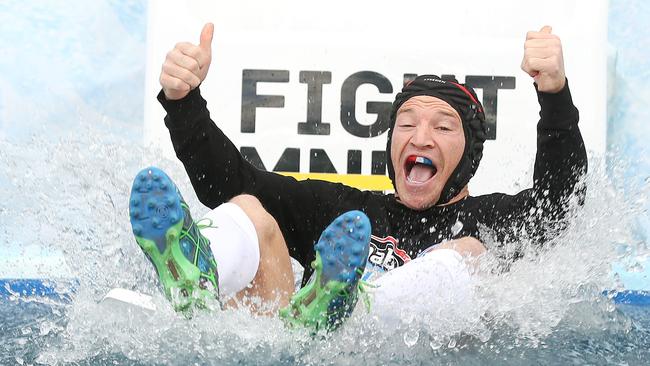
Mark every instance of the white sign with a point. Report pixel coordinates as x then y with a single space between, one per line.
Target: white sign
304 86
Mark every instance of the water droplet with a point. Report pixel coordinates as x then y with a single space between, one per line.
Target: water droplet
435 343
45 328
411 337
456 228
484 334
432 229
423 220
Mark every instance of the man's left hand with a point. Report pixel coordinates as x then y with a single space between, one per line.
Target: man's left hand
543 60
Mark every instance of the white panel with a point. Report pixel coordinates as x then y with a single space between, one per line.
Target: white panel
461 38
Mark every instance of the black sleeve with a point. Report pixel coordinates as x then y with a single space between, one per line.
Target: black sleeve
218 172
560 163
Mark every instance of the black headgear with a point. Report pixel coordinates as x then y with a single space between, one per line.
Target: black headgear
463 99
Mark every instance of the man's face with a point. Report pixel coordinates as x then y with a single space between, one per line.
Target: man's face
427 143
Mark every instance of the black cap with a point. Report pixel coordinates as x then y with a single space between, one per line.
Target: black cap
464 100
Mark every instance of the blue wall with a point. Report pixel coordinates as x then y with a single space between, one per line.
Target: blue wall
59 60
629 115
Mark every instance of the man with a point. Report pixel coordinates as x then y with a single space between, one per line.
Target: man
435 144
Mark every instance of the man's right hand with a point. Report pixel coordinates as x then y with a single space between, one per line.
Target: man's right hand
186 66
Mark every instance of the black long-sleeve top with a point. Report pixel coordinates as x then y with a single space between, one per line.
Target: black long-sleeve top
218 172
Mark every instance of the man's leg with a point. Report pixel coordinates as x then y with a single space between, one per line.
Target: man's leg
252 266
273 283
249 247
171 240
432 288
267 284
331 294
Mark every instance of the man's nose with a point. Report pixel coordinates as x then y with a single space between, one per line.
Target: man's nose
422 137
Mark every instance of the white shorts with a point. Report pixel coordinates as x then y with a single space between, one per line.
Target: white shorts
235 246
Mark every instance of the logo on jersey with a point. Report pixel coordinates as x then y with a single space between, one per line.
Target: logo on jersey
385 254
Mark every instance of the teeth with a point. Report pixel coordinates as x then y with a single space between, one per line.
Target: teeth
412 181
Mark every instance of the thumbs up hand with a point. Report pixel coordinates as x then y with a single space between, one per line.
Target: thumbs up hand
186 66
543 60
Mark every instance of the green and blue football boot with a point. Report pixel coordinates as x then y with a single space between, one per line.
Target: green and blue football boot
164 229
332 292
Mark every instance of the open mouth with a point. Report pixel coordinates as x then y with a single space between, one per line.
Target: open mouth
419 169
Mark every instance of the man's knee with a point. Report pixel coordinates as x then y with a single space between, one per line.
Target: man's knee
265 224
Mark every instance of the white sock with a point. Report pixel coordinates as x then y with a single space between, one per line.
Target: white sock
235 247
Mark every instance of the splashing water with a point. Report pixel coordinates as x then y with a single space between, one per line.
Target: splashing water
71 196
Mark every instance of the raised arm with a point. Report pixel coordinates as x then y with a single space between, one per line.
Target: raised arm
213 163
561 159
216 168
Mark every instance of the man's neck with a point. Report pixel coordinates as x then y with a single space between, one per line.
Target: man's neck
461 195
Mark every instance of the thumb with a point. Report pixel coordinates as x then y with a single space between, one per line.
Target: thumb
546 29
206 37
